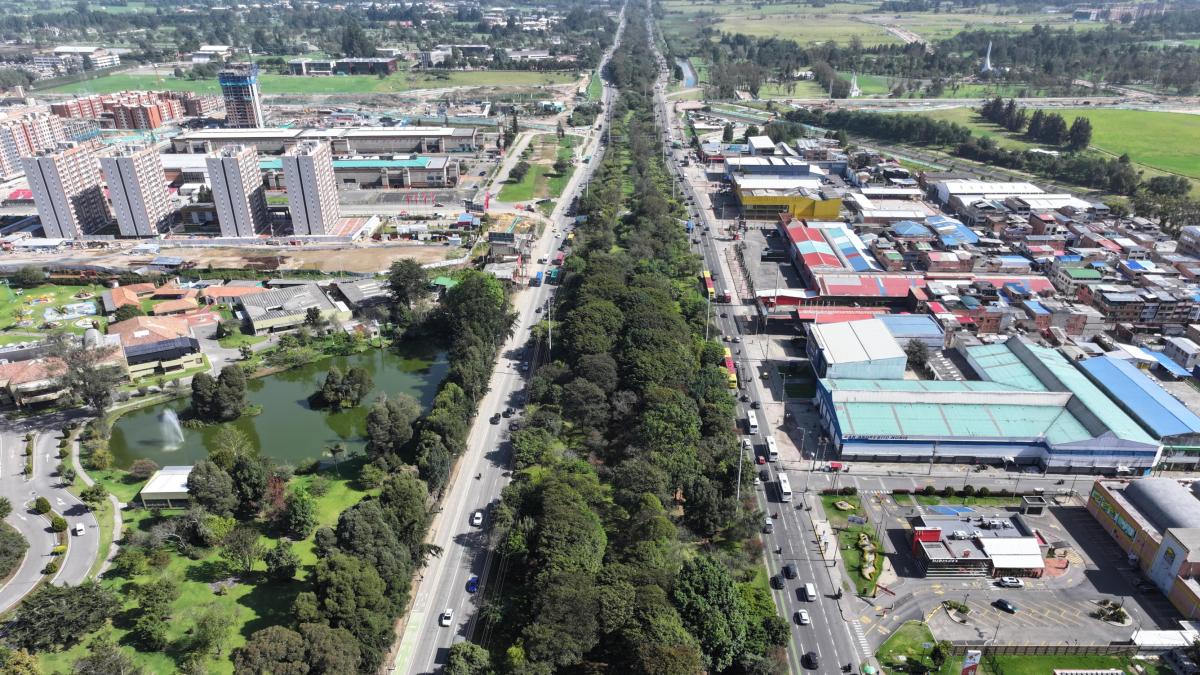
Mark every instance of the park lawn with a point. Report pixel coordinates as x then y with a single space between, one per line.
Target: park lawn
239 339
909 641
943 25
847 535
259 603
523 191
1151 138
595 87
339 84
117 482
11 304
808 28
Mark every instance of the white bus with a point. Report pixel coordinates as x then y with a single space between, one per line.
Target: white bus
785 488
772 450
752 423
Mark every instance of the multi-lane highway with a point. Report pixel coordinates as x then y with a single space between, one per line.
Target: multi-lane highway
829 635
482 471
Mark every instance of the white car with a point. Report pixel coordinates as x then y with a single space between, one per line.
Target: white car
802 617
79 529
1011 582
446 618
477 518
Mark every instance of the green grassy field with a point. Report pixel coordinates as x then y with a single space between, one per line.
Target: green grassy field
909 642
540 182
1150 138
348 84
258 603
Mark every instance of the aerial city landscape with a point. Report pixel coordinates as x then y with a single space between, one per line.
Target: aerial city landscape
636 336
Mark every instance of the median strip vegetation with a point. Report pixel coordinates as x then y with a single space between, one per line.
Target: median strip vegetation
620 542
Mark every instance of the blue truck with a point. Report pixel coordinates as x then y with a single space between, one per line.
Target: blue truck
690 226
537 279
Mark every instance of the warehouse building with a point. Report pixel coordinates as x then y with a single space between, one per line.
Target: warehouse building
766 197
1156 522
855 350
1029 405
167 488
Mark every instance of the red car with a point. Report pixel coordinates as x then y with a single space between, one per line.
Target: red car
762 460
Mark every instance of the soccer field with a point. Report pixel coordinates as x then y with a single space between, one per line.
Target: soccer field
341 84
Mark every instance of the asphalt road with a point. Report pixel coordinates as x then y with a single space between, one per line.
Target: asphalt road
466 550
22 491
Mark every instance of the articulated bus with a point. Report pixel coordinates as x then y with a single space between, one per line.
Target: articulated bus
731 370
707 280
785 488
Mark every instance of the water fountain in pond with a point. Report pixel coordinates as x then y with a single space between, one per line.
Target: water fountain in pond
172 433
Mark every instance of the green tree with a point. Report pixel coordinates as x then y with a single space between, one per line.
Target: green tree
390 424
468 658
5 507
29 276
58 523
355 42
407 281
18 662
212 488
249 478
300 514
125 312
282 561
104 657
1080 135
213 628
242 549
228 444
94 495
349 593
335 451
57 616
727 133
917 353
90 374
712 609
274 649
41 505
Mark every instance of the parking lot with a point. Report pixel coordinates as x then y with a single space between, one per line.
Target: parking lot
1054 609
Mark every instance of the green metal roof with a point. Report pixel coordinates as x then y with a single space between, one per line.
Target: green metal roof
960 421
916 385
1001 365
1082 273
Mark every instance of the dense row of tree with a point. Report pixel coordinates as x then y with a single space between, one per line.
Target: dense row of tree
1045 127
595 574
906 128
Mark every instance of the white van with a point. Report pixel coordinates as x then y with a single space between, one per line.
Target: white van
810 592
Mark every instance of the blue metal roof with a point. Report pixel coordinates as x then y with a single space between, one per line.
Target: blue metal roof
911 325
908 228
1158 411
1036 307
1170 364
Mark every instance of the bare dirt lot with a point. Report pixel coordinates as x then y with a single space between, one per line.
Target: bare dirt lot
356 259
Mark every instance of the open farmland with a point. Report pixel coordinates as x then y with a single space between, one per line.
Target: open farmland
1150 138
348 84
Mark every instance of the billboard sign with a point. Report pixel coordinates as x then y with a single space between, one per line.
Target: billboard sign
971 661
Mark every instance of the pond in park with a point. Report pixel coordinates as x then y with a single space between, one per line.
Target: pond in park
289 429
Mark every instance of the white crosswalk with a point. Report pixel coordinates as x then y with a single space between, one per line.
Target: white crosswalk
860 637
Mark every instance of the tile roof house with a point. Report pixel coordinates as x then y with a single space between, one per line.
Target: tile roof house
116 298
174 306
155 344
30 382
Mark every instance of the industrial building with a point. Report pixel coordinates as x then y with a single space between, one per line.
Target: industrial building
138 190
343 140
311 187
1156 522
243 101
855 350
766 197
1028 405
1159 413
238 192
67 191
285 308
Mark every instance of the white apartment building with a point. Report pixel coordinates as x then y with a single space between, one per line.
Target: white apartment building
66 189
25 133
238 191
311 187
137 188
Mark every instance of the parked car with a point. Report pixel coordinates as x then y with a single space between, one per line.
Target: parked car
495 419
1011 582
446 618
801 617
1005 605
